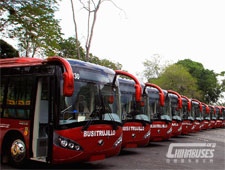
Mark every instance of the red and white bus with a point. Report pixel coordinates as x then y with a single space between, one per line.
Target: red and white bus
212 116
219 122
187 119
175 106
205 117
223 115
196 110
161 127
58 111
135 118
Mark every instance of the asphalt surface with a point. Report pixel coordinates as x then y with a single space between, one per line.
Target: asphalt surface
155 155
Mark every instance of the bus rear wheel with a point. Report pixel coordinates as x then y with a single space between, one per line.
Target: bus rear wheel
17 152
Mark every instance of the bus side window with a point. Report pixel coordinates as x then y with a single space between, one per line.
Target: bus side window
18 98
2 92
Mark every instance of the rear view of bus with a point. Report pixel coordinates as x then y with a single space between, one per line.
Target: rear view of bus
69 111
161 127
196 110
186 115
175 106
136 121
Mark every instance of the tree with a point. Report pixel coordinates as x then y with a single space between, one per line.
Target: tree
92 7
76 32
7 51
206 80
33 23
68 51
153 67
176 77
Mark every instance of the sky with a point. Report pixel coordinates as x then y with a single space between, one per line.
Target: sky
173 29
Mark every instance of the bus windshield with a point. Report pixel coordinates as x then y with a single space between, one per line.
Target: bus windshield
132 109
90 101
205 115
195 112
165 111
175 113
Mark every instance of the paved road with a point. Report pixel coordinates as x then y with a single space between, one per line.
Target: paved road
155 155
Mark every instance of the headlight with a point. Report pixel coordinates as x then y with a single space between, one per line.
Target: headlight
63 142
147 134
67 143
169 131
118 141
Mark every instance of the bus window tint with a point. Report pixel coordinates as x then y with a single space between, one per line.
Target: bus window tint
2 90
166 111
18 98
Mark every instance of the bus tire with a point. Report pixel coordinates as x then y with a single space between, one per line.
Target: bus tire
16 150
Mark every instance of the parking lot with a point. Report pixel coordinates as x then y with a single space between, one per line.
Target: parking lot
210 144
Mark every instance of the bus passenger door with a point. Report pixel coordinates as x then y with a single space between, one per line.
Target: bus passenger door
42 130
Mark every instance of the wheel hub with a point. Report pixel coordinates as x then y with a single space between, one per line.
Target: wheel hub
18 150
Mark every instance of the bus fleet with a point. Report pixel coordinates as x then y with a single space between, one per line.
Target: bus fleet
58 110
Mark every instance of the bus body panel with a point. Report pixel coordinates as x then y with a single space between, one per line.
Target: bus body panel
197 125
160 130
97 143
219 123
204 125
187 127
134 134
20 126
212 124
176 128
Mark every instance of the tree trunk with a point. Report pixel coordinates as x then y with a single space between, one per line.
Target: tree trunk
76 34
89 37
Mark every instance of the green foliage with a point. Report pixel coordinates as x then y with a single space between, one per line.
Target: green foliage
153 67
206 80
177 78
68 49
7 51
32 23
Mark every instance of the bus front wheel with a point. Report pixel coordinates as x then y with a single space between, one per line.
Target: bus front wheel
17 151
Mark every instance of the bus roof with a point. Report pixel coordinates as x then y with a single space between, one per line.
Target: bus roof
20 62
90 66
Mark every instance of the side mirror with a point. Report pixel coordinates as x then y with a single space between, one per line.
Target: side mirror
111 99
138 92
162 99
67 84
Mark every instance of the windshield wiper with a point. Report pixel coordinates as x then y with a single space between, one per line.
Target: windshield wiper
63 111
98 113
93 115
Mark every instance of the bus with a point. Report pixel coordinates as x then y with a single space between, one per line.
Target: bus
205 116
212 116
161 127
187 119
218 116
58 111
136 121
175 106
196 110
223 115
